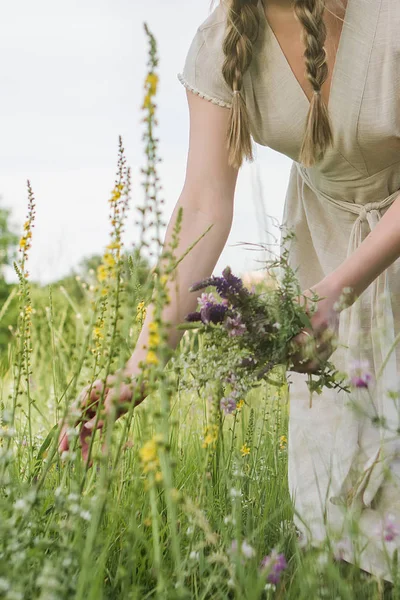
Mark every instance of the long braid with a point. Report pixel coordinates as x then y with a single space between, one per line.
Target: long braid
318 133
242 30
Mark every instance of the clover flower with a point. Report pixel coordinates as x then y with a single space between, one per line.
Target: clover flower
206 299
228 405
274 563
235 326
360 374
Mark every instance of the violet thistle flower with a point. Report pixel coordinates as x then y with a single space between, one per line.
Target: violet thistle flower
360 375
234 326
275 563
228 405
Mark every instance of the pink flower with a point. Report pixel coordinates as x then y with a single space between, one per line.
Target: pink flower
390 529
274 564
360 374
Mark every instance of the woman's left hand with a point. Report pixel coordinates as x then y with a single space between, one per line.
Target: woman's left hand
316 345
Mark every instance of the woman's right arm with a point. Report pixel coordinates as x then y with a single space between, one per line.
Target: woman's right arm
207 199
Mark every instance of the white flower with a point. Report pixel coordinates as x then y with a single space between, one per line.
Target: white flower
231 583
277 325
247 550
85 515
73 497
194 555
21 505
234 493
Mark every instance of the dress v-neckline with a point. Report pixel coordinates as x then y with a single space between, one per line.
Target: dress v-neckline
338 57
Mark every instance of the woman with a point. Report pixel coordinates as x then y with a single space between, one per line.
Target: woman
319 81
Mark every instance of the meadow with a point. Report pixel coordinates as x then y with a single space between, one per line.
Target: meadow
182 500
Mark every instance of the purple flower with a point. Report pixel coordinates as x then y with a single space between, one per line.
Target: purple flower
206 299
231 378
360 375
193 317
213 312
235 326
274 563
225 285
390 529
228 405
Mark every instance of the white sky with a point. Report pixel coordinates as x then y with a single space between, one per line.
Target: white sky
72 78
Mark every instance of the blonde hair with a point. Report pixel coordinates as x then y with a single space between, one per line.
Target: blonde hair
243 25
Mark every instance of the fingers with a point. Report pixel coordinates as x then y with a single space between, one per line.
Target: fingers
311 351
63 445
85 436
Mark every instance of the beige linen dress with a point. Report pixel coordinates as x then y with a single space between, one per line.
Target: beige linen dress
340 464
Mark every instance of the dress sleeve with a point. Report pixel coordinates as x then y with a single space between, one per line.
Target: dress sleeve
202 72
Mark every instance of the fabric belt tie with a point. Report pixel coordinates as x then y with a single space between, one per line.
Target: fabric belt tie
384 446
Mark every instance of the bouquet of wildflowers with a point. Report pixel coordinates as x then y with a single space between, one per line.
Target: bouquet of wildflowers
247 336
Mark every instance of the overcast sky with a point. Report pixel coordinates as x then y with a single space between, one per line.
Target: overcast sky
72 79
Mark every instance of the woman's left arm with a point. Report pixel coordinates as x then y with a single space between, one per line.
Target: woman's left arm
376 253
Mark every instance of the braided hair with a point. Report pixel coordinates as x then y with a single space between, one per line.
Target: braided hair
243 24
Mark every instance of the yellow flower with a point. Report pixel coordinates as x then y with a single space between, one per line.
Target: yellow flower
114 246
210 435
282 442
98 334
26 225
22 243
152 358
101 273
141 311
154 340
240 404
109 260
158 476
245 450
147 102
148 453
153 327
152 82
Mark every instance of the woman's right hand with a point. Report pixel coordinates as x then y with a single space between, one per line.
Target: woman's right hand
85 407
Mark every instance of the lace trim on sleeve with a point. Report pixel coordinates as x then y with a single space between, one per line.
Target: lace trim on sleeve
201 94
